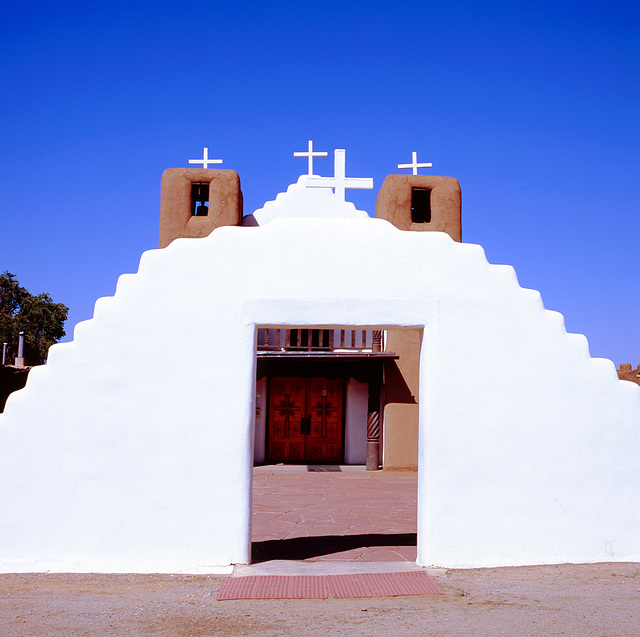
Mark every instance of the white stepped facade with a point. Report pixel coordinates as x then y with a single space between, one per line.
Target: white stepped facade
131 450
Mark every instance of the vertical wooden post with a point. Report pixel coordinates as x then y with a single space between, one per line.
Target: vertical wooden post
373 422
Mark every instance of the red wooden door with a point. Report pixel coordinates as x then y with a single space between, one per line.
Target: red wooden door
305 420
324 411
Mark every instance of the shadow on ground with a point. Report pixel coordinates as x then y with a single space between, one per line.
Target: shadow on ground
302 548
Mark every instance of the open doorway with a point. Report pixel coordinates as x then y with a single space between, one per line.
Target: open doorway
313 498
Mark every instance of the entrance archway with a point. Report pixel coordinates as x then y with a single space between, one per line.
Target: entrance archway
317 390
363 314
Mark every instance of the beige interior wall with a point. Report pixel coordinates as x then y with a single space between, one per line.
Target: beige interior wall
400 424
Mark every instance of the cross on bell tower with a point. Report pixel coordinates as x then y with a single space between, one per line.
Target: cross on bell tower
205 161
414 163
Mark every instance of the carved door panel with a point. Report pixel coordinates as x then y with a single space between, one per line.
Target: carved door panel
287 405
305 420
324 414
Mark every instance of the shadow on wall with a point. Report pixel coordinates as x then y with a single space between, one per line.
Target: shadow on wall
397 390
11 379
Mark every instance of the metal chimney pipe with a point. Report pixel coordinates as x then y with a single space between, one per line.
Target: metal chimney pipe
20 357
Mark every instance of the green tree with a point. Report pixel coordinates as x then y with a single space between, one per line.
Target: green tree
41 320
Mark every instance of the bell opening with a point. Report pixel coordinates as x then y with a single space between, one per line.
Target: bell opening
199 200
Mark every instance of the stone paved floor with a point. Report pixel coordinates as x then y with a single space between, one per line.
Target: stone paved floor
333 513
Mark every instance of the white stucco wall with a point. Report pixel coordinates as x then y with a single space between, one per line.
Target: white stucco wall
355 425
114 466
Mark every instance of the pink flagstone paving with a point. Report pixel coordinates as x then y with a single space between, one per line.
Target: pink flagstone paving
333 513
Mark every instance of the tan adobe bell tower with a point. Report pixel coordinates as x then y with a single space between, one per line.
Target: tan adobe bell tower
196 201
421 203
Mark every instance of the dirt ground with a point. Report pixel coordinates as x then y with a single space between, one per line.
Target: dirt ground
601 600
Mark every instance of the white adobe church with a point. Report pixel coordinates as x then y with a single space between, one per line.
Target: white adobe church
310 332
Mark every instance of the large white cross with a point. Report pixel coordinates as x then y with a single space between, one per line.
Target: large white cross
205 161
414 163
310 154
339 182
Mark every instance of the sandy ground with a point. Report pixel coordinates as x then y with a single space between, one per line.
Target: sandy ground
580 600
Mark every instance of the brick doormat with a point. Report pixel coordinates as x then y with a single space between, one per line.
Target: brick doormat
320 586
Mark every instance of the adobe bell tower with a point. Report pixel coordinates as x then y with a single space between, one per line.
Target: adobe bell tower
196 201
423 203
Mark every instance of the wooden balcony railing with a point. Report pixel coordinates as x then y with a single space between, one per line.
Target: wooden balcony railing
318 340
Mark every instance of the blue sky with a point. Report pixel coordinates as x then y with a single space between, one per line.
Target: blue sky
533 106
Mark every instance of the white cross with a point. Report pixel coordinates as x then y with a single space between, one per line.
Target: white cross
339 182
414 163
205 161
310 154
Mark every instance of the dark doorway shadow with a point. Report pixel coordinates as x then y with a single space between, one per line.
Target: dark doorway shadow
302 548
